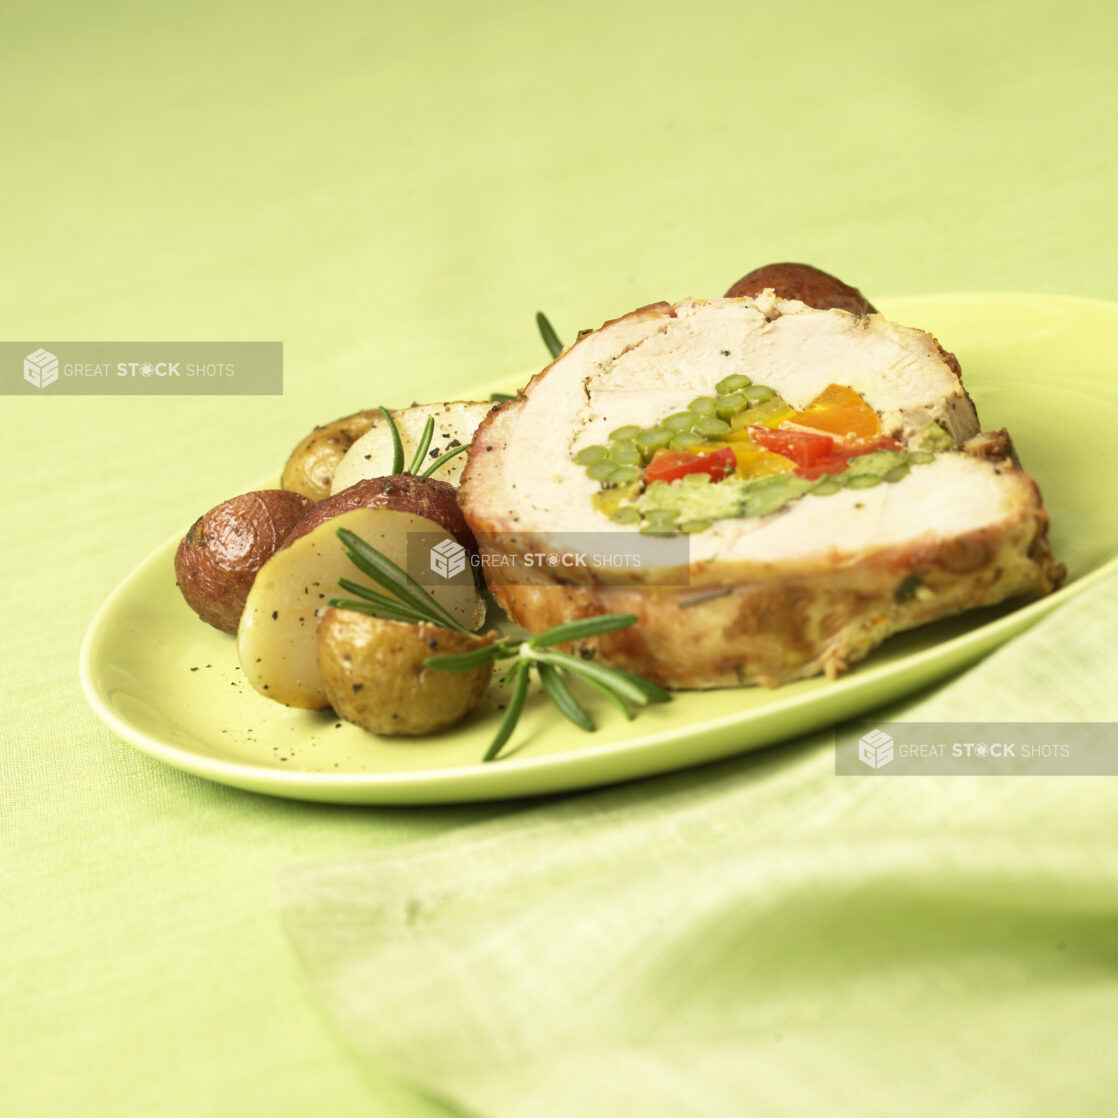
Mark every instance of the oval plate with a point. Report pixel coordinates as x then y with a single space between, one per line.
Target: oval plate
1044 366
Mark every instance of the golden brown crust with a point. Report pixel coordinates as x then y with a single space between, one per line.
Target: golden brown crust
796 624
994 446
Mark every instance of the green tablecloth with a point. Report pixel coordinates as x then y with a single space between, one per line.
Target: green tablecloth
393 193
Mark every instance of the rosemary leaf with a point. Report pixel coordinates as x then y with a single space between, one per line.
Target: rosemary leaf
398 582
707 597
561 696
616 681
586 627
443 458
365 592
385 613
611 695
397 446
383 602
512 711
423 445
654 691
547 332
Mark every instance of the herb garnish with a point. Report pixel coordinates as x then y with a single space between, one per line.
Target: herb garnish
547 332
421 448
411 603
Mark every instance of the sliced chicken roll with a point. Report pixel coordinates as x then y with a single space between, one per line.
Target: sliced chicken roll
772 489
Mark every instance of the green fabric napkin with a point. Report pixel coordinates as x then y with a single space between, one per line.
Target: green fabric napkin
759 937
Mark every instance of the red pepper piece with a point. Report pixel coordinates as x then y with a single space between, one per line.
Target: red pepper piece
805 448
834 464
668 465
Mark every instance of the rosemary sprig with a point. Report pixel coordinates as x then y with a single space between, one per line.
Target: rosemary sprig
579 630
560 694
397 445
621 688
407 601
443 458
396 581
618 683
547 332
421 447
512 711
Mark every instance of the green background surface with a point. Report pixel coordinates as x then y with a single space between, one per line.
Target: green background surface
393 192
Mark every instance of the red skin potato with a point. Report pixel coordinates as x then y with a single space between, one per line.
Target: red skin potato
424 496
809 285
218 558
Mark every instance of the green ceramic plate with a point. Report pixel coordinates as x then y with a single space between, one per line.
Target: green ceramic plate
1046 367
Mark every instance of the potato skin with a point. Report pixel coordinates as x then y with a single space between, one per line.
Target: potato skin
809 285
375 676
218 558
435 500
310 469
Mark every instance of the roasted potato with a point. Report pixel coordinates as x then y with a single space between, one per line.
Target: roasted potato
434 500
310 469
276 640
217 560
809 285
374 674
371 455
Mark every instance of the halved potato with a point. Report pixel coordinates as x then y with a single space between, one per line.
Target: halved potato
371 454
426 497
310 469
375 674
277 642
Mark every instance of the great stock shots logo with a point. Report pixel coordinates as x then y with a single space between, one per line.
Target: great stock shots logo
976 749
40 368
875 749
448 558
140 368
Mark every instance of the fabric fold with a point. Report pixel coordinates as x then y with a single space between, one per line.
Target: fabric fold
757 936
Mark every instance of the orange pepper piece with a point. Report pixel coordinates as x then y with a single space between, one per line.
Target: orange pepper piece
840 411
